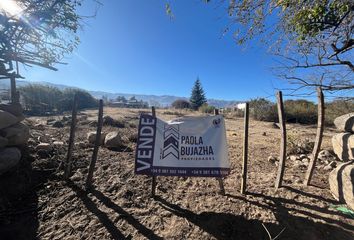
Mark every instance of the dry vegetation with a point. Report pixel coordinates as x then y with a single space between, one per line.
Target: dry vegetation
120 206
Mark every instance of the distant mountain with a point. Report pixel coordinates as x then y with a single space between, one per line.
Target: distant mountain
163 101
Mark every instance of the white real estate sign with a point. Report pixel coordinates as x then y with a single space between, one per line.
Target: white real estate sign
189 146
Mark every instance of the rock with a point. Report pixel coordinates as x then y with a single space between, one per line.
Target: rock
58 124
3 142
66 118
58 144
107 120
76 177
341 183
50 121
31 142
272 159
298 164
113 140
43 153
16 135
264 134
305 164
302 156
82 117
327 168
20 118
12 130
91 137
298 181
330 166
9 158
345 122
7 119
293 157
44 138
305 161
325 154
13 108
39 126
44 146
343 146
81 144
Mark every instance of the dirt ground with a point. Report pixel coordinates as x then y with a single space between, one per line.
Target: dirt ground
38 204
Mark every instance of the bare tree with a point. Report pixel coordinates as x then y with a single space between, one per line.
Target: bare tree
313 40
37 33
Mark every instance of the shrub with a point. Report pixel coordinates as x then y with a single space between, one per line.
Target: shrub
41 99
296 145
205 108
263 110
337 108
181 104
85 99
300 111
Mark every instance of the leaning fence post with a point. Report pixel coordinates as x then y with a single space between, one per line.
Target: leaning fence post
319 135
245 150
281 166
96 148
153 186
221 183
71 139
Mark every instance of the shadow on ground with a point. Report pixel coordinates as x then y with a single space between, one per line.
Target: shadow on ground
295 219
19 201
104 218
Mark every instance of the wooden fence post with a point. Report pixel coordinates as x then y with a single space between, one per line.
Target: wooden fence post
319 135
14 98
221 183
245 150
153 186
281 116
71 139
96 148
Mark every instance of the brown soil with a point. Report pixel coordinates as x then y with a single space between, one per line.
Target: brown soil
42 206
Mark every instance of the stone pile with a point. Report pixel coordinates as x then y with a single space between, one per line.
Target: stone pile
341 179
110 140
343 143
341 183
13 134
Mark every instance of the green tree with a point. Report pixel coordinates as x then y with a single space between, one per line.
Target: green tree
197 98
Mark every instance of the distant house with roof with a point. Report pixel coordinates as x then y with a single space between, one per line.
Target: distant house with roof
132 102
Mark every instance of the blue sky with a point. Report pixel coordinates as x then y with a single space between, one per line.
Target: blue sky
132 46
